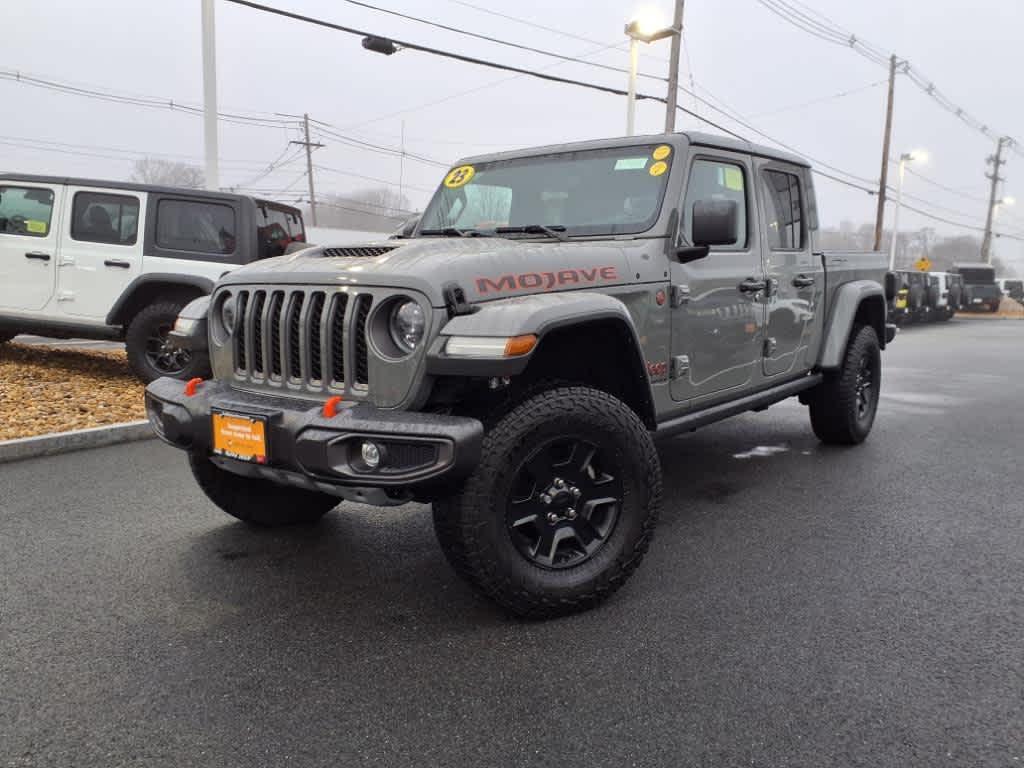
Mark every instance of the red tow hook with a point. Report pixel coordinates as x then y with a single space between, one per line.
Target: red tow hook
190 387
331 407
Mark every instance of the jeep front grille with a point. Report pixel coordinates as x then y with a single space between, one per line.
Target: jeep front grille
303 338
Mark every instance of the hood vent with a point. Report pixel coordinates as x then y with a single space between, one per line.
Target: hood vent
358 251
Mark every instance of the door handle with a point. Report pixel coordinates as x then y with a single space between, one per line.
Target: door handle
117 263
803 281
37 255
750 285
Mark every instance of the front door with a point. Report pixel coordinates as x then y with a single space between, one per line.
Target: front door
718 306
796 277
29 216
101 252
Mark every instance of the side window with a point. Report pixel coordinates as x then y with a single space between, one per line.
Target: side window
188 225
97 217
25 211
717 180
783 211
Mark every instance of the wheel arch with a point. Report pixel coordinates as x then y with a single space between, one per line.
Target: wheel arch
861 302
146 289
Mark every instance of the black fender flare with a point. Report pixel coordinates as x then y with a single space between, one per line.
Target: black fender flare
116 314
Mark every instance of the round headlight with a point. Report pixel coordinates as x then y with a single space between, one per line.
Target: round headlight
407 325
227 314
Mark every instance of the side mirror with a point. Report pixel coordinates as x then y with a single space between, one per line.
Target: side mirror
715 222
891 286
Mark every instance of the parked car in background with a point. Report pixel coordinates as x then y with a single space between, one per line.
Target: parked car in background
981 292
112 260
918 310
943 295
898 294
1012 288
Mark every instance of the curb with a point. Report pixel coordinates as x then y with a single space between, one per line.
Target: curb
77 440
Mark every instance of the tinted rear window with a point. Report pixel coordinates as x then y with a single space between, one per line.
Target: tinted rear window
189 225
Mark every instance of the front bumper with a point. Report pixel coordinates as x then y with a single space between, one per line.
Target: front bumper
424 453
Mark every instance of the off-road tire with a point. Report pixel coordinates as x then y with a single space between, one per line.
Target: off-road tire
258 502
836 415
471 525
147 322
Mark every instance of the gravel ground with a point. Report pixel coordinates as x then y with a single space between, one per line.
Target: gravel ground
45 390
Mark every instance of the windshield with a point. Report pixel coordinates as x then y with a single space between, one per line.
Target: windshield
589 192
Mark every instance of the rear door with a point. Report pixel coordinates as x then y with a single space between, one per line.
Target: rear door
718 310
795 276
29 237
102 250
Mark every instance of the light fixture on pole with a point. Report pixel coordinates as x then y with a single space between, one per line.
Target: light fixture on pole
645 27
916 156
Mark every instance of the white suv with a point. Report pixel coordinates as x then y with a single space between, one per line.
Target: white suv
109 260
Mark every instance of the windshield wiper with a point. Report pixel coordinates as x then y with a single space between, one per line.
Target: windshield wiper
556 231
454 232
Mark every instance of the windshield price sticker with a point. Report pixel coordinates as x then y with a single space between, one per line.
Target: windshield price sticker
35 227
660 153
459 177
658 168
631 164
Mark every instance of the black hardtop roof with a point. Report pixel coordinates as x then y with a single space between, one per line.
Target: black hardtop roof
694 138
973 265
132 186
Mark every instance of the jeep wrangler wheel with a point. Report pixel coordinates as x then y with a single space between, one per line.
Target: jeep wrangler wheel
152 354
561 508
259 502
843 406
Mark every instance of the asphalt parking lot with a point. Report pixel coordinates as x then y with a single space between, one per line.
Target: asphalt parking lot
800 606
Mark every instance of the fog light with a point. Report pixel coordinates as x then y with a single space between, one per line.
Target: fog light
372 454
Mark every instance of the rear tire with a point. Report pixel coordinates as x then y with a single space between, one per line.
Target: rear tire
843 406
151 355
561 508
259 502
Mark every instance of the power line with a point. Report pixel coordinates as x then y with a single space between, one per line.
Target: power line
499 41
938 185
820 100
440 52
328 169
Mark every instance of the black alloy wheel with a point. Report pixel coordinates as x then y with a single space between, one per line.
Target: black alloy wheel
865 387
565 502
164 355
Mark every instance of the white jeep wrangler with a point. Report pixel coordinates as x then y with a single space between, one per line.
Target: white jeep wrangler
109 260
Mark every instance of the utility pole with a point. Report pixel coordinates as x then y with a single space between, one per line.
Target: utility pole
995 161
210 95
884 176
401 166
309 145
673 69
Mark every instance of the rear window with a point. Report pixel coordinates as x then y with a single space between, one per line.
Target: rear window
200 227
97 217
276 228
978 275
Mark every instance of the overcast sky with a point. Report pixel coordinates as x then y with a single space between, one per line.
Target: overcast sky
740 54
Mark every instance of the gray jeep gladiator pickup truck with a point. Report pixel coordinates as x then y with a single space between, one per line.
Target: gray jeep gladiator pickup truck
513 358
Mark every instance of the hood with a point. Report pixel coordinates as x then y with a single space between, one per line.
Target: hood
486 268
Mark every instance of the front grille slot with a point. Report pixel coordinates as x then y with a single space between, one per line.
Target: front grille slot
306 339
315 336
294 337
362 350
337 339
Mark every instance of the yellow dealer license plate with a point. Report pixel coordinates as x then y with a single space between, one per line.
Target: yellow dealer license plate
240 437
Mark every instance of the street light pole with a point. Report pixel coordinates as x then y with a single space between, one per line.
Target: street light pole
673 69
634 56
896 214
210 95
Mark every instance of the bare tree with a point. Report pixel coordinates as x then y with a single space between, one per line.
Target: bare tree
380 209
151 170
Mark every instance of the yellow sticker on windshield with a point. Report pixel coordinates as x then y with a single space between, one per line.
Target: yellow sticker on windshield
658 168
733 179
660 153
35 227
457 177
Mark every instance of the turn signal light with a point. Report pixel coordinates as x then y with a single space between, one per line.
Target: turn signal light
520 345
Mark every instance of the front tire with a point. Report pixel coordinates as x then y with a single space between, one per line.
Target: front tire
150 352
843 406
258 502
561 508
